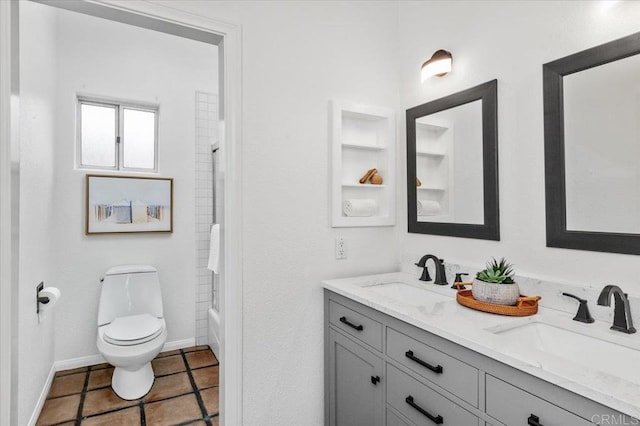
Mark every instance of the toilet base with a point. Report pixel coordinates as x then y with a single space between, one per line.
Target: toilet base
132 384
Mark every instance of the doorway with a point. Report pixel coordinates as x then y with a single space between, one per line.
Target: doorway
165 20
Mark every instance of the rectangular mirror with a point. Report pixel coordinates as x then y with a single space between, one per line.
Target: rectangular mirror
592 148
452 165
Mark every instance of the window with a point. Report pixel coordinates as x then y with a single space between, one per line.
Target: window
117 136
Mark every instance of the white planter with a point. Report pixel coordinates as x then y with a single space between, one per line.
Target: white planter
500 294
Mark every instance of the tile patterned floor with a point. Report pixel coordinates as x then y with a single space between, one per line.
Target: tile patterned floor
185 392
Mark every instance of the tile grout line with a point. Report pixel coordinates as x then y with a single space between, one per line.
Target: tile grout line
82 396
143 416
203 409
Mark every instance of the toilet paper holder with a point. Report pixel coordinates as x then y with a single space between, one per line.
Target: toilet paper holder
40 299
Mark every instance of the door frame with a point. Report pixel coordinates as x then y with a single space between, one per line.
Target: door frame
230 60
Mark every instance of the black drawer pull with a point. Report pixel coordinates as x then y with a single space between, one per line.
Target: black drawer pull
436 419
534 420
375 379
436 369
350 324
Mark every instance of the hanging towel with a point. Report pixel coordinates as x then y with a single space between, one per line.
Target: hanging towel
214 249
428 208
364 207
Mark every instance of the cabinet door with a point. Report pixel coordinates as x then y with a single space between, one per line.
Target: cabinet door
356 384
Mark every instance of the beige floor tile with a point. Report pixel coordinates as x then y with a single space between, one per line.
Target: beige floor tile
200 359
101 400
100 378
195 348
128 416
206 377
67 385
101 366
215 421
168 386
210 397
172 411
58 410
168 365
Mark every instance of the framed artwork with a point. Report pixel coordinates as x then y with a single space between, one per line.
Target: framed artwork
128 204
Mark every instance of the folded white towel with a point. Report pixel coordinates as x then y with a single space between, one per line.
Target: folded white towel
214 249
428 208
362 208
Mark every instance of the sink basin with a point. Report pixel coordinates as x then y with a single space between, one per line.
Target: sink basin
408 293
607 356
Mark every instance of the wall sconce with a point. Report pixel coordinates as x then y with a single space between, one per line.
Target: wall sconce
438 65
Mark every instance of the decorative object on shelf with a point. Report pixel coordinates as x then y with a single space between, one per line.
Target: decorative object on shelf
376 179
360 208
418 182
368 175
524 305
495 284
428 208
128 204
438 65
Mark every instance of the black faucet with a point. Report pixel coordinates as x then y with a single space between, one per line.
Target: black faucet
441 276
583 314
621 312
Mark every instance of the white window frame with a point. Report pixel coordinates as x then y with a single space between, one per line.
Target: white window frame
119 141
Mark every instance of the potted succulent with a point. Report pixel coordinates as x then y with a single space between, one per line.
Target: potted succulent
495 284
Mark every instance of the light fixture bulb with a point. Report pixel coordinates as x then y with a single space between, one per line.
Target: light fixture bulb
438 65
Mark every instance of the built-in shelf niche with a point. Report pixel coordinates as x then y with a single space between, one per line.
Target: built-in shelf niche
363 137
434 165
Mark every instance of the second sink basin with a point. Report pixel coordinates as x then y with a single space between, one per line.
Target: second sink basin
607 353
408 293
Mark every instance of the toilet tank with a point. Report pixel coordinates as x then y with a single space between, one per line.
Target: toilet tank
129 290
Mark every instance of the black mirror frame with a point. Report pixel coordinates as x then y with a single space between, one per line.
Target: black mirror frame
554 154
490 230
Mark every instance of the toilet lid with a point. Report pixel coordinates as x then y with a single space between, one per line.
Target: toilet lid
132 330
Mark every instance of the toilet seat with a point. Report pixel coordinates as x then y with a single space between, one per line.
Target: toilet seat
133 330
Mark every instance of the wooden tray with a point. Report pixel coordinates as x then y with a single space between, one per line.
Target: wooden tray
524 307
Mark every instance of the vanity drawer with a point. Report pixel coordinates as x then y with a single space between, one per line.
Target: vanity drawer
421 404
457 377
357 325
513 406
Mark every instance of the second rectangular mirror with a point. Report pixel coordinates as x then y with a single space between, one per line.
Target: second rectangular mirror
452 166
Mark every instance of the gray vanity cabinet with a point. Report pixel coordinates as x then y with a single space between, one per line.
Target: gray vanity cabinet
356 391
426 380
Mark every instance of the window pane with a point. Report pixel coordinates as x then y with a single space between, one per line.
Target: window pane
98 134
139 139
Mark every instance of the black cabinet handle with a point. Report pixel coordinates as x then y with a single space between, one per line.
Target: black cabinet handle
350 324
534 420
436 419
375 379
436 369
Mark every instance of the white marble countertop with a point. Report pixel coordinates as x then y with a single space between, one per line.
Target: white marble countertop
476 330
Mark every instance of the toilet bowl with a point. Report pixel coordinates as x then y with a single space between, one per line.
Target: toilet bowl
131 327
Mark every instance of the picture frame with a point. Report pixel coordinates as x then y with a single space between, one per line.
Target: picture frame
128 204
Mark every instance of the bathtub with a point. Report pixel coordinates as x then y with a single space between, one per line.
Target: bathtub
214 331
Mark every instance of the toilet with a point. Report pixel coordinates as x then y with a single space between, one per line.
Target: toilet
131 327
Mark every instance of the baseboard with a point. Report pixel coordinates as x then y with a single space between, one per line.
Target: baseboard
83 361
179 344
43 396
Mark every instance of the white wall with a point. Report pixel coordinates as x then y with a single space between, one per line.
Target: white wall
296 57
510 41
103 58
37 132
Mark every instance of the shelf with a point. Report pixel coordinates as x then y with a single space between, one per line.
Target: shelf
431 154
362 185
363 137
367 147
430 188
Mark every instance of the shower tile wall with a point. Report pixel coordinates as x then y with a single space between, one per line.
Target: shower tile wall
206 134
